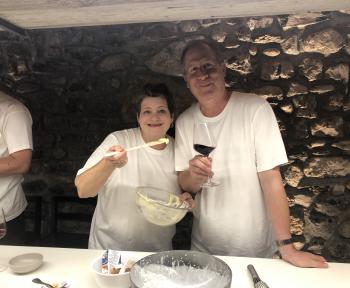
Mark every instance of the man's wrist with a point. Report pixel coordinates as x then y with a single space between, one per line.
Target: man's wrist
284 242
285 248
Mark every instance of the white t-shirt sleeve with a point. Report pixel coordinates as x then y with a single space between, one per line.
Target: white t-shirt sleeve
98 154
182 147
17 130
269 146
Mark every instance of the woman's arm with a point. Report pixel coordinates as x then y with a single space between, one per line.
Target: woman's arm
92 180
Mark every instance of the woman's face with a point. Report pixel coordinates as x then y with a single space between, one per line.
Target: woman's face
154 118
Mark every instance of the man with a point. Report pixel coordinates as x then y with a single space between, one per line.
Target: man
15 158
248 211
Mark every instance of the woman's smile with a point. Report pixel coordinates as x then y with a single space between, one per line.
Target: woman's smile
154 118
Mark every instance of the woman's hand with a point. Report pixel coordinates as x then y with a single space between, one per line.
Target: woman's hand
185 196
92 180
119 160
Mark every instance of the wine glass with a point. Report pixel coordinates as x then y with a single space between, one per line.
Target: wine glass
204 143
2 232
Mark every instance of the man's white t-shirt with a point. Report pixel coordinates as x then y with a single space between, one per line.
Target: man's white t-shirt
231 219
117 222
15 135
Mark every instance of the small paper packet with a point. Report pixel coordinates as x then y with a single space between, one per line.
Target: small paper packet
113 263
104 262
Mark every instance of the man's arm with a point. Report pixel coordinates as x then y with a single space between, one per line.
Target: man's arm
278 211
186 182
16 163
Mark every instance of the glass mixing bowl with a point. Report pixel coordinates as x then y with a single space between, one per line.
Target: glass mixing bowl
160 207
180 268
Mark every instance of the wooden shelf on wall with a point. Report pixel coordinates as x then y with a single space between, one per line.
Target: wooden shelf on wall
35 14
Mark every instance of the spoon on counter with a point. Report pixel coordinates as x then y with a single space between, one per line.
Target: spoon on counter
38 281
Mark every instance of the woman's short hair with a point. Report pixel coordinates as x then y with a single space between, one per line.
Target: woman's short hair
199 43
155 90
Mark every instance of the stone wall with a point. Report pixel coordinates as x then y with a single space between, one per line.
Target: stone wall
79 85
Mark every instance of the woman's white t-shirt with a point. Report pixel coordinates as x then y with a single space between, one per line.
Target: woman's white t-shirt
117 222
231 219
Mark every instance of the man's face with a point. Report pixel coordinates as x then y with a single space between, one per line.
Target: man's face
204 75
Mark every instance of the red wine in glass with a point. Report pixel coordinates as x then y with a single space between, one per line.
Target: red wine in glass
203 149
204 143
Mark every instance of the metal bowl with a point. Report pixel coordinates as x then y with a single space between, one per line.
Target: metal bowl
180 268
160 207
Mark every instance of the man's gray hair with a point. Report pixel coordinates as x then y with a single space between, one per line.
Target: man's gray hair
213 46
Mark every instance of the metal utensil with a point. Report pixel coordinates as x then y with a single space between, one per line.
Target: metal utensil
38 281
256 279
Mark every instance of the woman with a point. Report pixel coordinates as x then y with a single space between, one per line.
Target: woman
117 223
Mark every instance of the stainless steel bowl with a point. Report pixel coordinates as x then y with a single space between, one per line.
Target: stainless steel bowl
180 258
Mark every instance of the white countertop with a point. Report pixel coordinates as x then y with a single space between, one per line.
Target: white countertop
73 266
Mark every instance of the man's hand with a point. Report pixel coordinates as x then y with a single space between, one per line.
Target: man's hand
200 169
302 259
197 173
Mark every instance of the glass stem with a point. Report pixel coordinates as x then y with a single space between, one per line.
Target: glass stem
209 179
